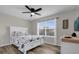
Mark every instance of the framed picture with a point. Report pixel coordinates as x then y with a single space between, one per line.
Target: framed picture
65 24
76 24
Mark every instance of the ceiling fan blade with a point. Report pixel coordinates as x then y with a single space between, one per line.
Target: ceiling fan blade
28 7
37 13
38 9
26 12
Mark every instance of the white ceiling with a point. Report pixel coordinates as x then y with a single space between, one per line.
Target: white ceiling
15 10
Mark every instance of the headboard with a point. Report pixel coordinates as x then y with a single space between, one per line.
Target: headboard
17 31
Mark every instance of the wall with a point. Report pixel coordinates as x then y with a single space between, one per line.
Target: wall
5 22
71 15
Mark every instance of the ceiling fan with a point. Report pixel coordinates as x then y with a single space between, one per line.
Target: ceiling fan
32 11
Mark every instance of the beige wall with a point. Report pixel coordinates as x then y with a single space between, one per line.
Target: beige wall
71 15
5 22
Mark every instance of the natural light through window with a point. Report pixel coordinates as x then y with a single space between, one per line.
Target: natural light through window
47 28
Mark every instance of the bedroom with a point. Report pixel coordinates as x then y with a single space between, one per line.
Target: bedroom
26 26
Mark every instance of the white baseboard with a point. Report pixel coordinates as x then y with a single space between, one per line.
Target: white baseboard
5 44
52 43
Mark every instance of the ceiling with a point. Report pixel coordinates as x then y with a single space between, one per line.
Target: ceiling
16 10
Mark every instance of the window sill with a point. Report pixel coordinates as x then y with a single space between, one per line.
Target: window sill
48 36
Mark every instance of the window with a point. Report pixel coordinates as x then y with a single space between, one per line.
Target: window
47 28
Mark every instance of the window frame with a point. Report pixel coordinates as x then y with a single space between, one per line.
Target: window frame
45 29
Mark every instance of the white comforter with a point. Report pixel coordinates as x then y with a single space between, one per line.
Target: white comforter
25 43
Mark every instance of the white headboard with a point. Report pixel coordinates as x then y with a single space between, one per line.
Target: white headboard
17 31
21 29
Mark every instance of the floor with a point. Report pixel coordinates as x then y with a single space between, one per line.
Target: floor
9 50
42 49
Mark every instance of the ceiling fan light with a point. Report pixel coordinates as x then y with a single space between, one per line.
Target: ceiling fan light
32 14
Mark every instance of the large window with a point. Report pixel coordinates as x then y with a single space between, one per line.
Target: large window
47 28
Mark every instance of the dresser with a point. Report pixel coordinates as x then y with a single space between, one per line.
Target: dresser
70 45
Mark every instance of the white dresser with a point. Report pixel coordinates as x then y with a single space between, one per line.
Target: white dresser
70 45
